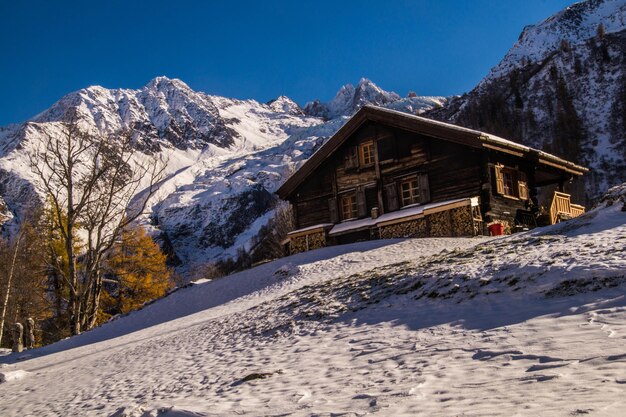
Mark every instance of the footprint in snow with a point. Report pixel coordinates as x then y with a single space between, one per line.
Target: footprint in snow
539 378
484 355
305 396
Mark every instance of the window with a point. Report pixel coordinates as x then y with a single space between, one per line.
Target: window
348 207
511 182
508 179
366 153
407 191
386 149
410 192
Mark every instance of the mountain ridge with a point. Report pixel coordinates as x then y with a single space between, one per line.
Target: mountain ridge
556 89
225 156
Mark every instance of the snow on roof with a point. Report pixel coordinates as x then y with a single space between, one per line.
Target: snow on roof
405 213
482 135
308 229
352 226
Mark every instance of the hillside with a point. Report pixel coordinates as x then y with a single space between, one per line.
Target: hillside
225 157
562 88
522 325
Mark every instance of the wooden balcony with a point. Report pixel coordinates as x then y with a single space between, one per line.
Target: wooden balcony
563 209
577 210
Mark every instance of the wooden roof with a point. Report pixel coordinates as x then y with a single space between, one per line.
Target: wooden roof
428 127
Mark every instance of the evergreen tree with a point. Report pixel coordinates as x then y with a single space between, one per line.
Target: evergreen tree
568 127
601 32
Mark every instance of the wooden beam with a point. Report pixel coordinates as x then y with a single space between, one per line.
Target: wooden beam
500 149
559 166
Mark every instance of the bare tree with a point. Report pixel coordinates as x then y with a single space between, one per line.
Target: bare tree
9 283
23 289
268 243
95 188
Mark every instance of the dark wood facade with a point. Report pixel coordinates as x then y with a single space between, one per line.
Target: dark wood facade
384 162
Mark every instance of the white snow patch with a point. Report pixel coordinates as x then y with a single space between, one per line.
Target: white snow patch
8 376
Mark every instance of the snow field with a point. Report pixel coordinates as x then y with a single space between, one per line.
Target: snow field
532 324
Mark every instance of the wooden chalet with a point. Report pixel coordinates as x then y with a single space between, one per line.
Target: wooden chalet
388 174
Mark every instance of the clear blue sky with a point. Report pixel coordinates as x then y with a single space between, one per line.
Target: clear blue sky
253 49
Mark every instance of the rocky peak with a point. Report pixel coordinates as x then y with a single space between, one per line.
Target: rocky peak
163 83
349 99
284 104
163 112
369 93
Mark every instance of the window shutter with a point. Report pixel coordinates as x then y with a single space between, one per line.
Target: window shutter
422 182
391 192
352 157
386 149
522 186
332 208
361 206
499 179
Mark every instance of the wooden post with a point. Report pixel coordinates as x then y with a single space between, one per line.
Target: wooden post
29 335
18 345
379 180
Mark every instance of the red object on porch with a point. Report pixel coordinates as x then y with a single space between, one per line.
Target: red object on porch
496 229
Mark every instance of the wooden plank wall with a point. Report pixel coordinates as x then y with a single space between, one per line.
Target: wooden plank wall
310 204
454 171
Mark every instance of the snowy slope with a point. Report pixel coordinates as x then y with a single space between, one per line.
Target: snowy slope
575 24
225 156
531 324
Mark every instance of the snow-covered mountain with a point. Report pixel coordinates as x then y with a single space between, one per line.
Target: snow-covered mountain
225 156
529 324
562 88
576 25
5 213
349 99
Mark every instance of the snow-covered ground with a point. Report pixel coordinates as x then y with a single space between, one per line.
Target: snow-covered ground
532 324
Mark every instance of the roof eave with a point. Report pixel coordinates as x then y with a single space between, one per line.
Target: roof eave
328 148
433 128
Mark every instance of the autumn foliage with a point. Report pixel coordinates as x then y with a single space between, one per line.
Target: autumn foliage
135 271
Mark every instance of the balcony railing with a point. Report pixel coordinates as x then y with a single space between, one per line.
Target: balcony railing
563 209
